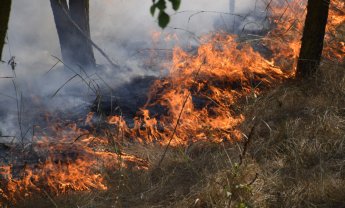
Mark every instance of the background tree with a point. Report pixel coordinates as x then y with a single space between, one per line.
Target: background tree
313 37
76 48
5 8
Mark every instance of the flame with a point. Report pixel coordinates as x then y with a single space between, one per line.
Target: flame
69 161
204 88
52 175
219 76
199 99
334 48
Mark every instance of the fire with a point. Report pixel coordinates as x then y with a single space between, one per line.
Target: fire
200 99
203 88
334 48
69 161
216 78
53 176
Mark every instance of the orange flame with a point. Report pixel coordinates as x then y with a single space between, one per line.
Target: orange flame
203 89
201 96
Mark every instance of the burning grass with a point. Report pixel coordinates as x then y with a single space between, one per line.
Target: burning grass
212 104
59 164
295 158
297 149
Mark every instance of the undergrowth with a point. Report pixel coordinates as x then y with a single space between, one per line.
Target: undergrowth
293 156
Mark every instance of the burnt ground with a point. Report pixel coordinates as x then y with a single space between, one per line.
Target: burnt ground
127 98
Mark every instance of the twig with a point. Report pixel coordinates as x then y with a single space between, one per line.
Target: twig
195 36
246 143
80 136
216 12
178 119
7 77
80 76
19 110
50 198
70 79
227 155
53 67
254 179
8 96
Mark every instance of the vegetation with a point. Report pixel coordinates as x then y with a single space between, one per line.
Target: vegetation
292 153
163 17
294 158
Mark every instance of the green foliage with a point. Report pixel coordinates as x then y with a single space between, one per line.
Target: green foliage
161 5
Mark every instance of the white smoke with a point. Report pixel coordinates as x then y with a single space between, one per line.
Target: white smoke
120 27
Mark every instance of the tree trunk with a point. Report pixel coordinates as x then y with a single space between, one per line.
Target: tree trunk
313 37
5 8
64 29
79 12
76 50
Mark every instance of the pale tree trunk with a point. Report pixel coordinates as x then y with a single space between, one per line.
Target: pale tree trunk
5 9
76 49
313 37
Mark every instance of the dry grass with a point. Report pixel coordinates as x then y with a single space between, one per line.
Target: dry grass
182 174
297 149
300 142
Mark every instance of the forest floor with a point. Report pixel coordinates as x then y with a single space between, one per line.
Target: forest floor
294 156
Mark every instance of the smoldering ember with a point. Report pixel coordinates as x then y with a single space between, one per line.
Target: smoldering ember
172 103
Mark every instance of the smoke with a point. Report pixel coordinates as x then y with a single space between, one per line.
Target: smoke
123 29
